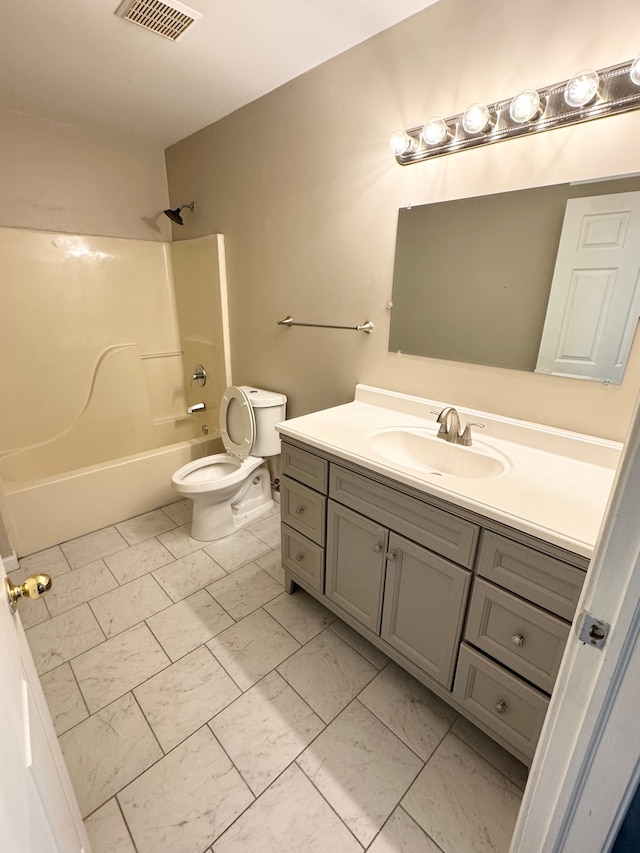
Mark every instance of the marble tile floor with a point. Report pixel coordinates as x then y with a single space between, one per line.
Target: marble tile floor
201 709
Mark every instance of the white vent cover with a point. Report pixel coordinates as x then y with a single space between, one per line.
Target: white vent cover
169 19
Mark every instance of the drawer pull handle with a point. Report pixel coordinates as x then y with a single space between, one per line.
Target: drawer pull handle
299 558
518 640
299 510
377 548
500 707
391 555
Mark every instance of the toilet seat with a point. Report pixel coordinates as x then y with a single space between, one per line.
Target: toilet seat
237 423
213 473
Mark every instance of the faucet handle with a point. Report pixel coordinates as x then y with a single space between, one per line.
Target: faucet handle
466 435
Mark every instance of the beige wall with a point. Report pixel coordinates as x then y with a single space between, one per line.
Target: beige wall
302 186
58 177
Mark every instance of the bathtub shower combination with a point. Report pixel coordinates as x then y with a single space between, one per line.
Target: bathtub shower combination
120 325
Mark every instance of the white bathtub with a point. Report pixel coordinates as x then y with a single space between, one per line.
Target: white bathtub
42 512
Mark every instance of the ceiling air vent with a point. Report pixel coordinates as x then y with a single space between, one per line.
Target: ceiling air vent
168 19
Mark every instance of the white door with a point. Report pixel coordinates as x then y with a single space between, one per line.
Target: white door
38 809
593 305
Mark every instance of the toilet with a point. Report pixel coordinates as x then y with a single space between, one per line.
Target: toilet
230 490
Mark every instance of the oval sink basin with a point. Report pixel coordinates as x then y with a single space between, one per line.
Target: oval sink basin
413 447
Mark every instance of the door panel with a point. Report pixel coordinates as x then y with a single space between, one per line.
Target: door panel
355 564
424 604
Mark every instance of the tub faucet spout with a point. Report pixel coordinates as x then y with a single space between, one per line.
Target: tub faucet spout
197 407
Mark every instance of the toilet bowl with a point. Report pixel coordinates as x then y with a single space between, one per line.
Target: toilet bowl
230 490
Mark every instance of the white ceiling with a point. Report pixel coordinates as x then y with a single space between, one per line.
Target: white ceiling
76 62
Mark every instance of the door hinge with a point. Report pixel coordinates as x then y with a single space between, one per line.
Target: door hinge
592 631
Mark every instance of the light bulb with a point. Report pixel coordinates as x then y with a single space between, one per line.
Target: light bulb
525 106
401 143
476 118
634 71
582 88
435 131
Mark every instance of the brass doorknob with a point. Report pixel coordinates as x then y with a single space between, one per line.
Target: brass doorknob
33 587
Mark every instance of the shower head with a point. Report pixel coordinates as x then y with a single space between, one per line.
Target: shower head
174 215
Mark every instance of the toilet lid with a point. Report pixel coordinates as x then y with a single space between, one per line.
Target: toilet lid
237 423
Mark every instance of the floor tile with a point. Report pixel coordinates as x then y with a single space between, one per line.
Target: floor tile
180 541
144 527
244 591
51 561
74 588
300 614
360 644
187 575
129 604
327 673
113 668
32 612
290 817
107 750
187 799
268 530
463 802
188 624
506 763
138 560
93 546
401 834
272 565
183 697
415 714
237 550
361 768
64 698
59 639
107 830
180 511
265 729
252 647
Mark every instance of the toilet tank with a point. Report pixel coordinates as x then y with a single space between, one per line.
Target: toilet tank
269 409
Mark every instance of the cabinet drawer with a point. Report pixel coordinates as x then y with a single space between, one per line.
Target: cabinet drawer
505 704
436 529
520 635
305 467
303 558
303 509
544 580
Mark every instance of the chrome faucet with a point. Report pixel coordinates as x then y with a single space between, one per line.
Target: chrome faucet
197 407
451 429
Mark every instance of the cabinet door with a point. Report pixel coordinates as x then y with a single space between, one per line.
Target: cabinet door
424 603
355 564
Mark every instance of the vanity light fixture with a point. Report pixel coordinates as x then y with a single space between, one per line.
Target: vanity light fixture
585 96
476 119
526 106
435 131
582 88
401 144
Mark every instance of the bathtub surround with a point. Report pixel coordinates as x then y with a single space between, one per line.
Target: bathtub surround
263 745
310 212
105 349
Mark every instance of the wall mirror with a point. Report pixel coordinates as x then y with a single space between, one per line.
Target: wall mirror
473 277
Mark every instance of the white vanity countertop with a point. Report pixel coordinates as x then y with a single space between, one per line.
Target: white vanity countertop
556 485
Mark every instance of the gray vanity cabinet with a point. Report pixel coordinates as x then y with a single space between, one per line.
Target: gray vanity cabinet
477 611
425 601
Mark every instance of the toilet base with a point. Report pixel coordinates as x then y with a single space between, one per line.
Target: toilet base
214 521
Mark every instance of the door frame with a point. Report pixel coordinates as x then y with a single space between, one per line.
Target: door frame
587 765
